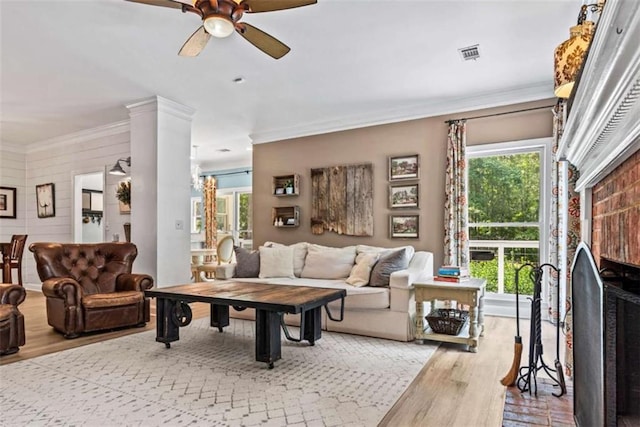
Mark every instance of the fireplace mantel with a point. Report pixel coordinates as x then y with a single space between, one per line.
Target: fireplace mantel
603 127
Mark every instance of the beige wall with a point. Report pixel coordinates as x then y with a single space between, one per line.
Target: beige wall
426 137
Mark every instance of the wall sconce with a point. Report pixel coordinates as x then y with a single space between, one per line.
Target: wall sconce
117 169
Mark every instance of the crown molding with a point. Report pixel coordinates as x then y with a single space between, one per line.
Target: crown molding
603 127
412 112
161 104
80 136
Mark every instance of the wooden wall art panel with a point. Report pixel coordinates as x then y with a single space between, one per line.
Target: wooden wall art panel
342 200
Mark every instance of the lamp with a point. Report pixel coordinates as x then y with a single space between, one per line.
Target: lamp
569 55
218 26
117 169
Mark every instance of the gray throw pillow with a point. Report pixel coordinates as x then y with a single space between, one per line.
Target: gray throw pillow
247 263
387 264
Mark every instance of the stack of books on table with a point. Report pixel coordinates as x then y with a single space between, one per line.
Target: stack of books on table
452 273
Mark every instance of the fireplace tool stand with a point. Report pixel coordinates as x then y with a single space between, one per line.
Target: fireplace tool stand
527 379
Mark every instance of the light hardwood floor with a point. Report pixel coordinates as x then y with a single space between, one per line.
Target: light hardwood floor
454 388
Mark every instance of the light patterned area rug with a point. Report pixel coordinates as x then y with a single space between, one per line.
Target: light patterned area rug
211 379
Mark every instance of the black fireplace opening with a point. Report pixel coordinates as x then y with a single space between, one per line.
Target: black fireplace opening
606 341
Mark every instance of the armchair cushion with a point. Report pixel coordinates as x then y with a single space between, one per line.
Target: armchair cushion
114 299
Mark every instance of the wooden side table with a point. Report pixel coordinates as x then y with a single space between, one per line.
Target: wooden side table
470 293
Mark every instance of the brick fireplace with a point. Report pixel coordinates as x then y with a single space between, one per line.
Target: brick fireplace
607 311
615 233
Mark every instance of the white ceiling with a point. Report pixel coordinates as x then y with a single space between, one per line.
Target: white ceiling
73 65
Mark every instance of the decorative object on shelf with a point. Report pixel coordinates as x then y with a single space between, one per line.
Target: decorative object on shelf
404 196
404 167
404 226
45 199
288 186
569 55
123 194
117 168
8 202
342 200
285 216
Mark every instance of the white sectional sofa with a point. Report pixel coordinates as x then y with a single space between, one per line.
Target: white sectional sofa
383 311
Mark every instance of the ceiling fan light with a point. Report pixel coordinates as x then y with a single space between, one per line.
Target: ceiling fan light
218 26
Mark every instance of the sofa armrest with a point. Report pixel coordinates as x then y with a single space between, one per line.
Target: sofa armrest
63 287
133 282
401 293
12 294
225 271
420 266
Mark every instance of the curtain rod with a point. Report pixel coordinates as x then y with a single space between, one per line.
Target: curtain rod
247 171
498 114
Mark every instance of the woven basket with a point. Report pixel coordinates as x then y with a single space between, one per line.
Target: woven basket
447 321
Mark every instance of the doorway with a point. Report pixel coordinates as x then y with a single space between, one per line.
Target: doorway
88 209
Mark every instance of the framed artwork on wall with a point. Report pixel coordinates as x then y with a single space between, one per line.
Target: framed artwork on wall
404 196
404 226
7 202
45 199
404 167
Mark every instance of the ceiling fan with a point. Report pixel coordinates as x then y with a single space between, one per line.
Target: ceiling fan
221 17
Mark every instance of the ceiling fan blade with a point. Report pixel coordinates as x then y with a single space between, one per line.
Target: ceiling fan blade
270 5
163 3
194 45
263 41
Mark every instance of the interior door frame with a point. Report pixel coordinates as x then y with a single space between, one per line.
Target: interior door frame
76 211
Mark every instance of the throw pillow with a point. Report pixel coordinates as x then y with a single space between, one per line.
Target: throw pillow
299 254
276 262
361 272
387 264
328 263
247 262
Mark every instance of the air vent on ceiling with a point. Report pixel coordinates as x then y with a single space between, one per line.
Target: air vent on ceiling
223 150
469 53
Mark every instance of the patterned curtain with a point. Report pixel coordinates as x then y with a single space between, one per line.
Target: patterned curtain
456 209
564 234
210 210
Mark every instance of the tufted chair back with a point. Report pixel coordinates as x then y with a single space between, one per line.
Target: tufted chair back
94 266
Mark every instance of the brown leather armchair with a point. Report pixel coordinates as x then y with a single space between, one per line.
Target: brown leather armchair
11 320
89 286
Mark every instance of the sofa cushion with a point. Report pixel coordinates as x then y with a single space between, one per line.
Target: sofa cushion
387 264
247 262
361 272
299 254
328 263
276 262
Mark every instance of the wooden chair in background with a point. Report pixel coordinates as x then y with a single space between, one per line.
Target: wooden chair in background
12 257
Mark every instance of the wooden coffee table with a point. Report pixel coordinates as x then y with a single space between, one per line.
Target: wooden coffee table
271 302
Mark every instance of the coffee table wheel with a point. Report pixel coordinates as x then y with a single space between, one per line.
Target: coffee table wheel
270 365
167 345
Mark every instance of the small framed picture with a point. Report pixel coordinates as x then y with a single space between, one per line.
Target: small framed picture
7 202
404 167
45 198
403 196
404 226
